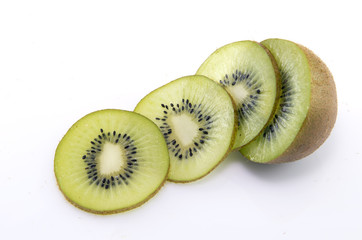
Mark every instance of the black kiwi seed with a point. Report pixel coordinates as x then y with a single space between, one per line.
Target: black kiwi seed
284 107
248 81
90 159
197 112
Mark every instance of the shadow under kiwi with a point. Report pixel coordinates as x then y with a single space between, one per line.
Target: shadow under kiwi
282 171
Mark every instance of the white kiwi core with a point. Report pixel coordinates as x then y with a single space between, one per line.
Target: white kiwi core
111 159
238 92
185 128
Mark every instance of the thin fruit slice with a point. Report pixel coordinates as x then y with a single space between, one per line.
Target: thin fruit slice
306 110
197 119
111 161
249 73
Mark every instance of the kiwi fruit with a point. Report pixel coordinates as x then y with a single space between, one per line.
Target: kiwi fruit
111 161
197 119
249 73
306 110
274 101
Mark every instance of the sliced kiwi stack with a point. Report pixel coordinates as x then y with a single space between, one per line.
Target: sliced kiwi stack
274 101
111 161
249 73
306 110
196 117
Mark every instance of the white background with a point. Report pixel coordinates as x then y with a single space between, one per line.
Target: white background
60 60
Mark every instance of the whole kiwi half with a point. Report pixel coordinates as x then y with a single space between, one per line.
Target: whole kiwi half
306 110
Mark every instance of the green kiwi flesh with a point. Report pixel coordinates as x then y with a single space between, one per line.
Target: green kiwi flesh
197 119
110 161
248 72
305 112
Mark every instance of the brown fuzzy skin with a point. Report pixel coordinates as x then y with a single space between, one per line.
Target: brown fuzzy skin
322 112
117 210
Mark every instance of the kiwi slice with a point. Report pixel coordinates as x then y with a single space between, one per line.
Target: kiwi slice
111 161
197 119
306 110
249 73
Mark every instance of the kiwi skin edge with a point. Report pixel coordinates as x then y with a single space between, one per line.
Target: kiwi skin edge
321 115
117 210
226 153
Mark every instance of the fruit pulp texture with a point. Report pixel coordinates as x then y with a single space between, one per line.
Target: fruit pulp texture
247 72
110 160
292 106
196 117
